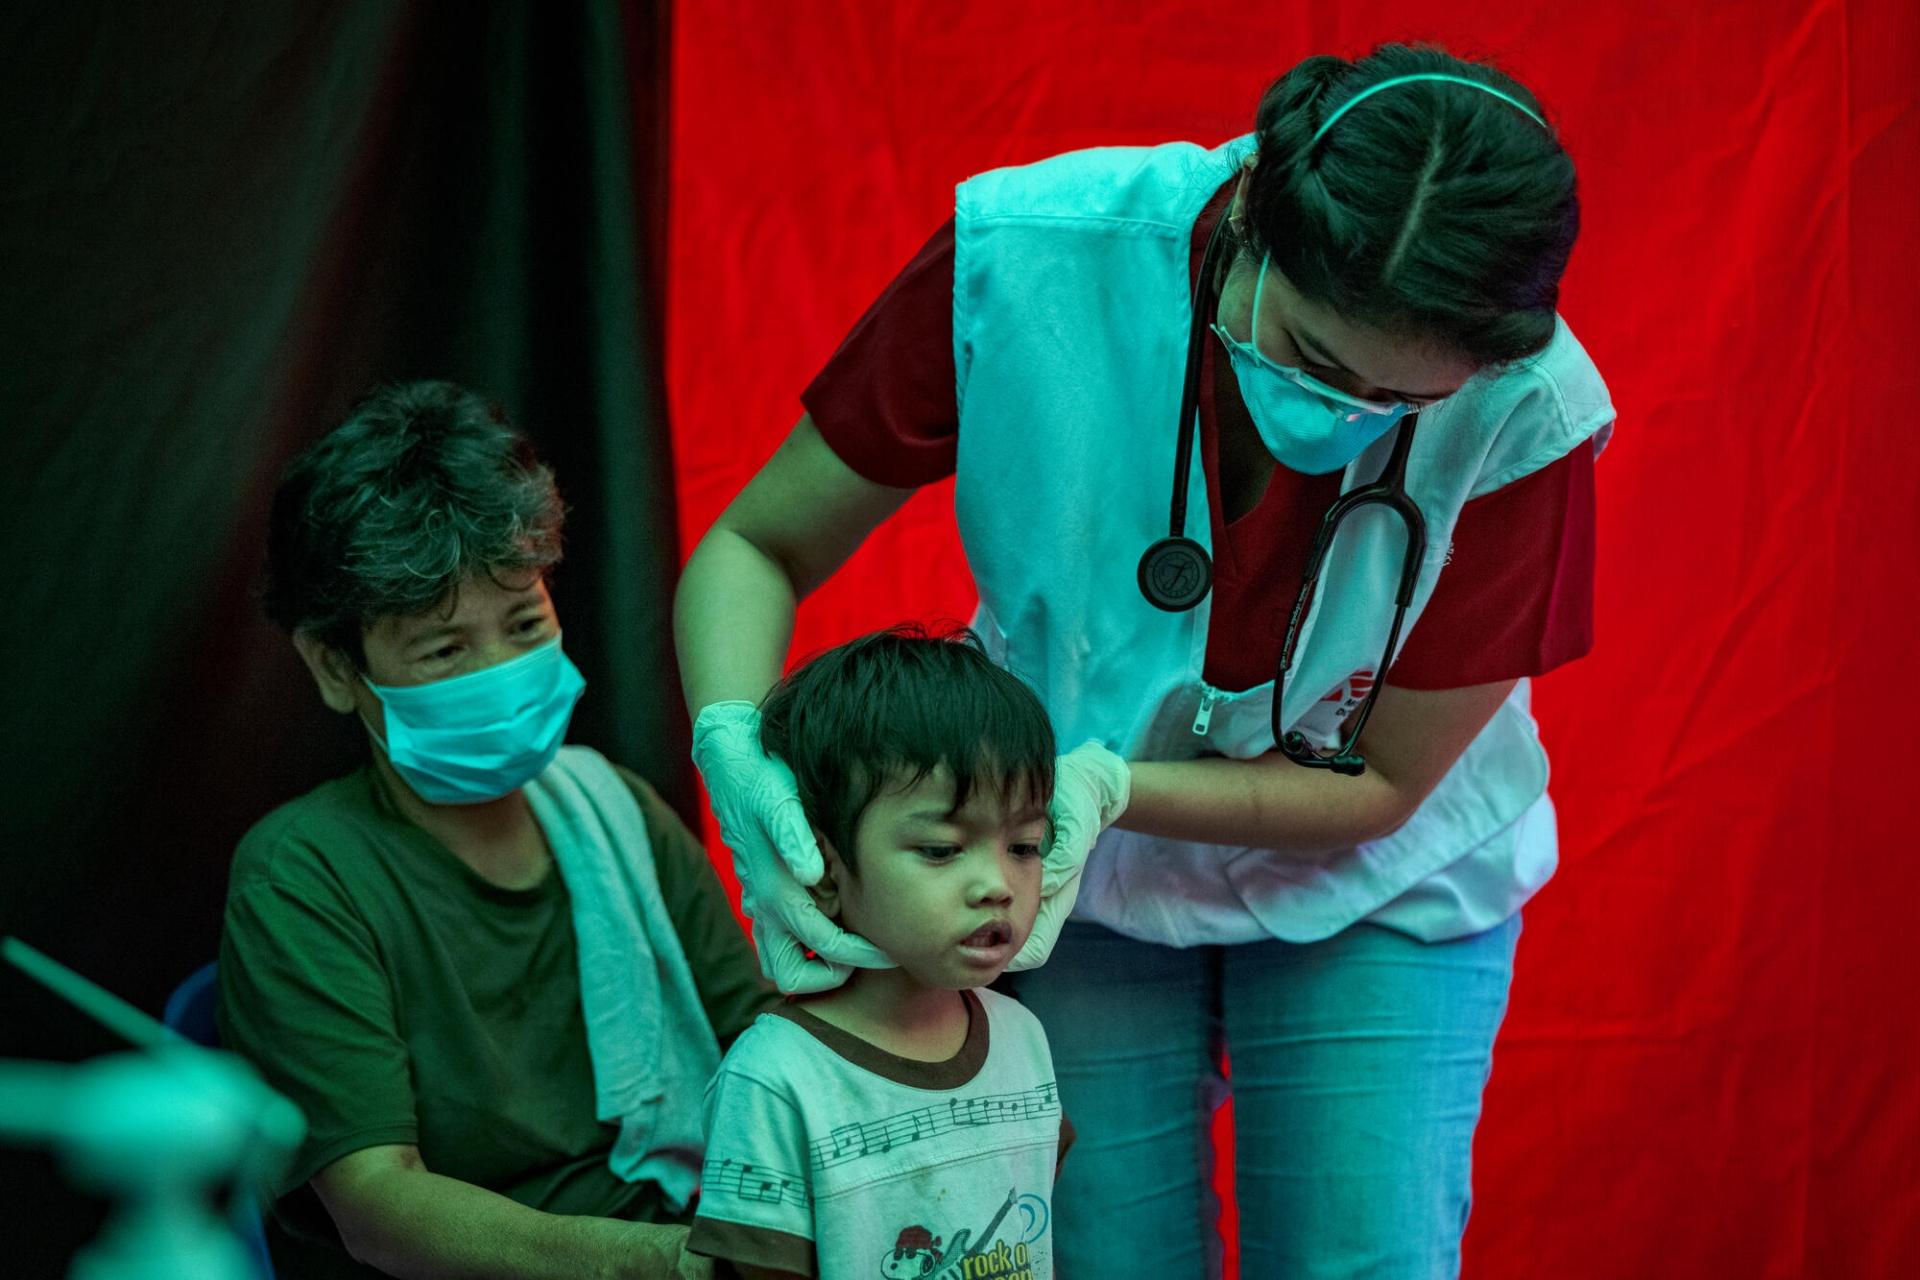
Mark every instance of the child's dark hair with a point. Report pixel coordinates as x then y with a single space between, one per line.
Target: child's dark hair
887 709
1431 209
423 486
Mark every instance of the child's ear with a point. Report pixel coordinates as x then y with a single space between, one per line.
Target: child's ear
826 893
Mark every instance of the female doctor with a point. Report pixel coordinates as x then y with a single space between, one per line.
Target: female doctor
1362 292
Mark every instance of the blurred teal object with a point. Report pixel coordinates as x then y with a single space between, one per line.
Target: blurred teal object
161 1131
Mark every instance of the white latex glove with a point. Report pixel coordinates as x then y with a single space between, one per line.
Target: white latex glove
774 854
1091 787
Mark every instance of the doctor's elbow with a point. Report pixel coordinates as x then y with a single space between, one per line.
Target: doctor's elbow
1392 806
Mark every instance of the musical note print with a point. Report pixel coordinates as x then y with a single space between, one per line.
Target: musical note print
753 1182
851 1141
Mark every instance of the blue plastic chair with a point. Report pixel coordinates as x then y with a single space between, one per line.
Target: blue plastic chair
190 1008
190 1012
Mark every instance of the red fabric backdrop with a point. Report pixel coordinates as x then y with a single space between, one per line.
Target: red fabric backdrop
1709 1068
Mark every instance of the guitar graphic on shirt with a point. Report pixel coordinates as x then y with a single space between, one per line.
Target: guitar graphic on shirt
951 1265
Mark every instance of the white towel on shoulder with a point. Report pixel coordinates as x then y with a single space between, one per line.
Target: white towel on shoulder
653 1048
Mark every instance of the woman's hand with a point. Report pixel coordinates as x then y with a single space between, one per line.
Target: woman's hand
774 855
1091 786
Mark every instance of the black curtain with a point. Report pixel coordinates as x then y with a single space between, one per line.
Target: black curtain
221 224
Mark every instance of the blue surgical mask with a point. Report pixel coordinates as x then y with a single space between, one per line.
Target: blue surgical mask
475 738
1307 425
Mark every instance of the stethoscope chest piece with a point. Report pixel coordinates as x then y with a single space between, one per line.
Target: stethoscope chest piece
1175 574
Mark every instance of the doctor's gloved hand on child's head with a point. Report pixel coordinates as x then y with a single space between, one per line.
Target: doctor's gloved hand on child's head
757 805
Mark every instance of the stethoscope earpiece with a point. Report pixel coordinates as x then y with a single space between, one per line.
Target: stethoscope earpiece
1175 574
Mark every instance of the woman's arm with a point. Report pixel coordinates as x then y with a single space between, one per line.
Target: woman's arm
1411 740
397 1216
794 524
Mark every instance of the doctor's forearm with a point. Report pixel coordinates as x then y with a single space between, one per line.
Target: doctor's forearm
783 535
732 621
1266 803
1414 738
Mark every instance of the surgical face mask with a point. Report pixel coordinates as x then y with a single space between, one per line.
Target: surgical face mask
1307 425
474 738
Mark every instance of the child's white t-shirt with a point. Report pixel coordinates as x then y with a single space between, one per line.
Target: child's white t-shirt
827 1156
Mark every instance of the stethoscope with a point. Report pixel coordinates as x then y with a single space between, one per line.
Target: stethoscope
1176 572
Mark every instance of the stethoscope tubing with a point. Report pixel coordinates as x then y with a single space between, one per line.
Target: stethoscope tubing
1190 389
1388 489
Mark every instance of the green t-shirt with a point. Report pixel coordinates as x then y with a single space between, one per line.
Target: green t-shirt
399 997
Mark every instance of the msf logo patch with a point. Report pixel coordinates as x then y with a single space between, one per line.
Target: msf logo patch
1350 693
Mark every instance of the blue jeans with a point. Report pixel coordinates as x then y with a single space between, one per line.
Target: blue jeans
1357 1068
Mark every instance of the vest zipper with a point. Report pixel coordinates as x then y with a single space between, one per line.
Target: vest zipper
1203 718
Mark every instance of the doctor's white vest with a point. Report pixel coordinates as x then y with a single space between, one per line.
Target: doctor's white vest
1071 307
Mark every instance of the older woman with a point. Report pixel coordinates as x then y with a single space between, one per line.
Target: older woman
496 973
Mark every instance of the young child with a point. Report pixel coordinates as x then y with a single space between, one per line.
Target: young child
906 1124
